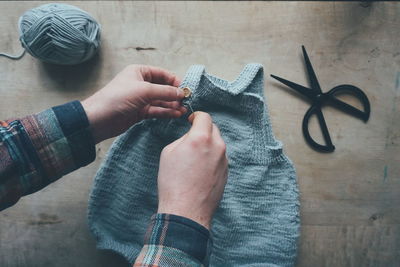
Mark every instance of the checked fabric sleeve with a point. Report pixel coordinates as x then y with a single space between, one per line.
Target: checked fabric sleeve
38 149
173 241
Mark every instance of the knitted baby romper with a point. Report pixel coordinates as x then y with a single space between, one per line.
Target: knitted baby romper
257 222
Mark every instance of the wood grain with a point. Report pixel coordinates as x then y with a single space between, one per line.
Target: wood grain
349 199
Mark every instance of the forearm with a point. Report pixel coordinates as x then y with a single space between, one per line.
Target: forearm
37 150
174 241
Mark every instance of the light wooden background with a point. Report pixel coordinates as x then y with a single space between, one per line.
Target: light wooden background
350 199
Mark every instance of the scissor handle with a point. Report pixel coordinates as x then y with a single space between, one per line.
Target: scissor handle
355 91
316 110
331 99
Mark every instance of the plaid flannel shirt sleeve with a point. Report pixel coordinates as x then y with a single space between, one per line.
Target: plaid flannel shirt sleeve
174 241
39 149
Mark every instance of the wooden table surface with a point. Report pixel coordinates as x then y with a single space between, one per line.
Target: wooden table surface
350 199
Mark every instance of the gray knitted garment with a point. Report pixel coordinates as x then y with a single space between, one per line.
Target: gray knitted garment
257 223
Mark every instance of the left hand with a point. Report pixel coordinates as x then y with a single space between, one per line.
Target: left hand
138 92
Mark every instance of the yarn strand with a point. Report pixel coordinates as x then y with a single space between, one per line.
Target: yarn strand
12 56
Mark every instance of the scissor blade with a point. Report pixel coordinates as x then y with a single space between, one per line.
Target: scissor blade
299 88
349 109
324 129
311 74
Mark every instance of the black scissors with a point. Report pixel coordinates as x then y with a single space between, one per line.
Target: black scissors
319 99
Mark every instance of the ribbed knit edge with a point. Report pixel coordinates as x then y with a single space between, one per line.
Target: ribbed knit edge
254 101
104 243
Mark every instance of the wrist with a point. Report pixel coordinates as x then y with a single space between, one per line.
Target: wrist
95 120
201 219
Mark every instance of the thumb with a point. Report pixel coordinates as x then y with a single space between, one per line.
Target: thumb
162 92
177 142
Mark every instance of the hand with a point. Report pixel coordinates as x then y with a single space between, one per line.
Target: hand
136 93
193 172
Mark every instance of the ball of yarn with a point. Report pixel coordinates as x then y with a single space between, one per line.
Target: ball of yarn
59 33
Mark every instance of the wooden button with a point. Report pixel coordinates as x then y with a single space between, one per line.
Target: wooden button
187 92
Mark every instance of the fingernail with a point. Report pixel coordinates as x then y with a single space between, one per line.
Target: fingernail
179 93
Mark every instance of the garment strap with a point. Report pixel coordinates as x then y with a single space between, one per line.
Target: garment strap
193 76
251 74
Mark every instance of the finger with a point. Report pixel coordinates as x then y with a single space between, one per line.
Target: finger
201 122
170 104
183 109
154 92
159 112
160 76
166 104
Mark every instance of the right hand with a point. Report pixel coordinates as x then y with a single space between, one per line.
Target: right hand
193 172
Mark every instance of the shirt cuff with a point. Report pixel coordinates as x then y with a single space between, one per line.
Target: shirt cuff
62 140
179 233
75 126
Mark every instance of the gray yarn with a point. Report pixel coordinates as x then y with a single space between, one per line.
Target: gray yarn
12 56
58 33
257 223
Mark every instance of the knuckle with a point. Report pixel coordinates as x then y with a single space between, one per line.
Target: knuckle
200 139
221 146
166 150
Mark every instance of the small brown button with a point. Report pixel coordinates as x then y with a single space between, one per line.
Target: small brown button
186 92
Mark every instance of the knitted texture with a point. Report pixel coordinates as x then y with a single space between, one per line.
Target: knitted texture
257 223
